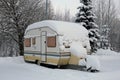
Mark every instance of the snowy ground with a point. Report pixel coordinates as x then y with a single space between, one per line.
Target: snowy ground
16 69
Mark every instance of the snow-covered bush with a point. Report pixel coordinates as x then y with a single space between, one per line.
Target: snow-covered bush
92 62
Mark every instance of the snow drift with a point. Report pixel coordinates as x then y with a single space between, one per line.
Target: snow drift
107 52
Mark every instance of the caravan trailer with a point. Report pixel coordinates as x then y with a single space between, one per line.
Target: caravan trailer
49 42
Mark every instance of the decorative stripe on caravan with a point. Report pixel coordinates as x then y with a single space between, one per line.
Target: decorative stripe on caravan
49 54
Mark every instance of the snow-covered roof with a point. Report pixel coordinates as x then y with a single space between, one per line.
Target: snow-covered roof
60 27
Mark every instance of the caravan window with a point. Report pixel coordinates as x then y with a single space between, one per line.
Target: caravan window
51 41
27 42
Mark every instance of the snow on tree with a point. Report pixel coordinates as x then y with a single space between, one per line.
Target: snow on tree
16 15
86 17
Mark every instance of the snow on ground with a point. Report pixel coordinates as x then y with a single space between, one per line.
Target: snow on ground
107 52
16 69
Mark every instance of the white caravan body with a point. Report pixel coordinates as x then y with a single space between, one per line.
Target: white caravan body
49 42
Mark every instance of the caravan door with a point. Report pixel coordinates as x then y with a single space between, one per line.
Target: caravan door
43 47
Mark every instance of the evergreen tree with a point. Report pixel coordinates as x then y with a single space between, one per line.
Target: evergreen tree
86 17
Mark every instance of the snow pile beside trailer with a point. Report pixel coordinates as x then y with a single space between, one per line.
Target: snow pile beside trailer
92 62
78 50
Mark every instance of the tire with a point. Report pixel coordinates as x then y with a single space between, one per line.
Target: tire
37 62
58 66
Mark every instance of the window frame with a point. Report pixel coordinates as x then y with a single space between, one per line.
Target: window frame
34 41
49 44
27 42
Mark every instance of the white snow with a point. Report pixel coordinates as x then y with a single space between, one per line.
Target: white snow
90 62
69 31
93 62
60 27
107 52
62 48
78 50
82 62
16 69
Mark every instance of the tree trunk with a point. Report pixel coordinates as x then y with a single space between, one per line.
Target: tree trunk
21 48
21 44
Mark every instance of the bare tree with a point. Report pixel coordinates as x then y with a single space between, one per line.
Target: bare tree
106 15
67 15
63 16
50 10
16 15
58 15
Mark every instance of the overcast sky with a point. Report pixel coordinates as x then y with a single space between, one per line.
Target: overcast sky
70 4
66 4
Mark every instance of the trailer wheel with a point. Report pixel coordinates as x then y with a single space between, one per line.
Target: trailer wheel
37 62
93 71
25 60
58 66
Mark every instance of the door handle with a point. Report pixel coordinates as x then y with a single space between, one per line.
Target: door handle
44 41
